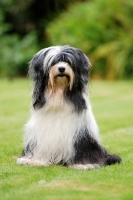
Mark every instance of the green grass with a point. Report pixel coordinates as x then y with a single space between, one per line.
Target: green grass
112 104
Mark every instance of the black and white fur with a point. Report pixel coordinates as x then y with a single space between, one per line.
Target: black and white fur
62 128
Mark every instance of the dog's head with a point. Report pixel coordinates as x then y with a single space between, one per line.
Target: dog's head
59 68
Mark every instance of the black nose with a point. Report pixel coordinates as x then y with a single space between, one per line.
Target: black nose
61 69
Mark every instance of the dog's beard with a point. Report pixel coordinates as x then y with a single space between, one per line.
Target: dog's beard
59 82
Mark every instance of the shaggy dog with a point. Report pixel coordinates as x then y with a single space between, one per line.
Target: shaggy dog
62 128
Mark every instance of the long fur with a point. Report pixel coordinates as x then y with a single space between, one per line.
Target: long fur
62 128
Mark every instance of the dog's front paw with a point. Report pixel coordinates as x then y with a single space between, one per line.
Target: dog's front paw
31 162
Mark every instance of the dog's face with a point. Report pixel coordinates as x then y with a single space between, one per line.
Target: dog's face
61 76
59 68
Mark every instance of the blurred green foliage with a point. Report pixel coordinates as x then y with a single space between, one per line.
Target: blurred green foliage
103 29
22 31
15 54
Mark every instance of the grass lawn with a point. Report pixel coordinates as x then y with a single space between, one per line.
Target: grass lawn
112 104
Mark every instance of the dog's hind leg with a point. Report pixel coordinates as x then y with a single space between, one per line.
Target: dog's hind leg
84 166
89 154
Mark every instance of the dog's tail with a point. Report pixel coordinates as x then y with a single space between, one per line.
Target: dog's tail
112 159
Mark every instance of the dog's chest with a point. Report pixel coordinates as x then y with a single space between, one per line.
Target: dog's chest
55 131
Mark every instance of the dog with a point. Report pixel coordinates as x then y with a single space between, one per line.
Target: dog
62 128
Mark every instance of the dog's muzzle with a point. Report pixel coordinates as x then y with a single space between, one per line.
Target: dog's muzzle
61 75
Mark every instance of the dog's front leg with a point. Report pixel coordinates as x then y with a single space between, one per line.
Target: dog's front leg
32 162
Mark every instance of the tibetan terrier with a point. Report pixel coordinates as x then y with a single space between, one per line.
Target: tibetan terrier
62 128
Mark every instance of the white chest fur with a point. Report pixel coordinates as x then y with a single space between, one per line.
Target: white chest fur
53 131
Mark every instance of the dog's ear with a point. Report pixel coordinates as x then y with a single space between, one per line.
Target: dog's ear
86 65
36 72
36 65
87 68
88 62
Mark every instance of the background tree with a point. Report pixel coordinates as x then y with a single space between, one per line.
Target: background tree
103 29
23 31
